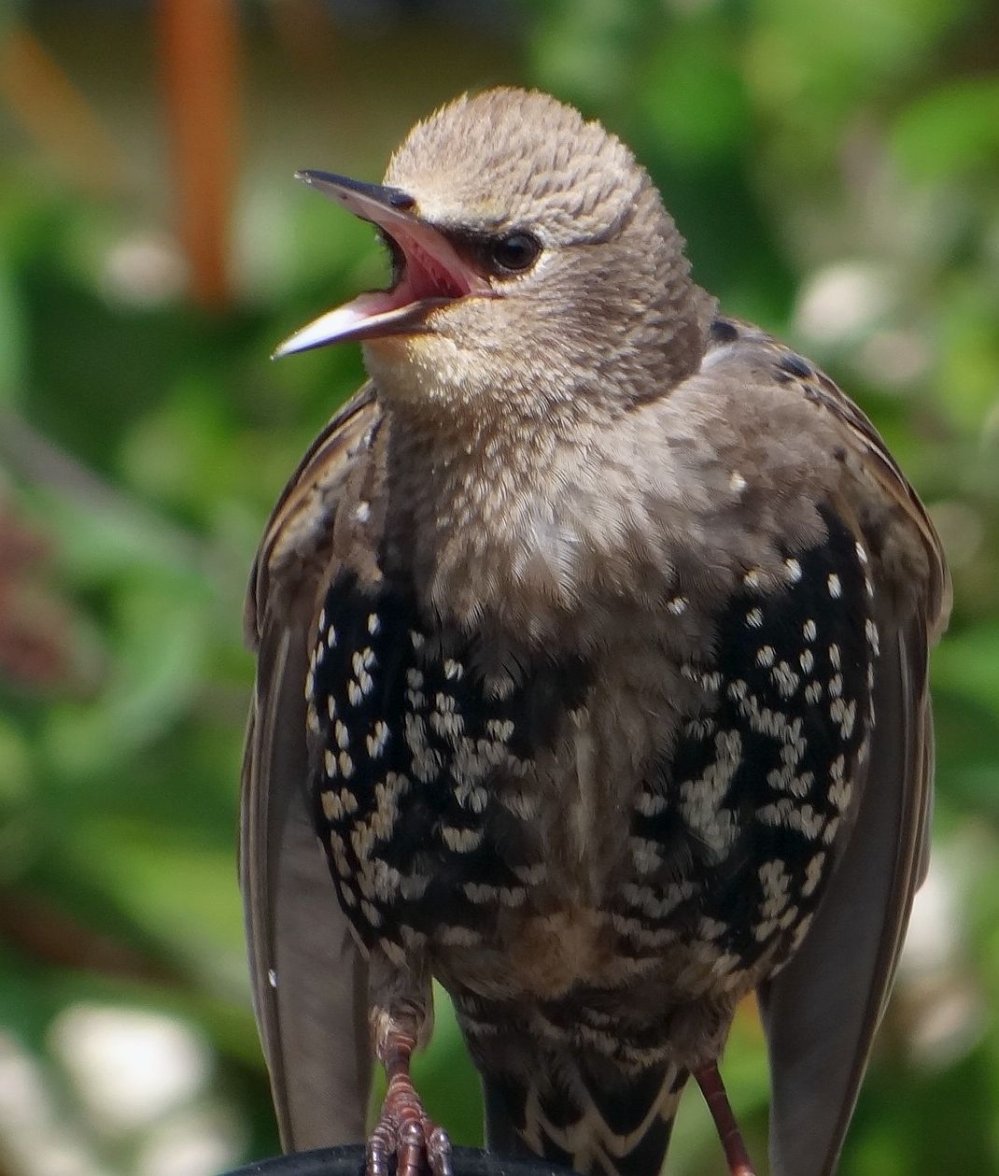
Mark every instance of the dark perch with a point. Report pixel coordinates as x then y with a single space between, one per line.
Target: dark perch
349 1161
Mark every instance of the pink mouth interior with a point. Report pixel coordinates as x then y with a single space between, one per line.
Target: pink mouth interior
424 277
432 274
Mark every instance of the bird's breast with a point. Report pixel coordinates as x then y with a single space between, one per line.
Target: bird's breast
436 773
586 817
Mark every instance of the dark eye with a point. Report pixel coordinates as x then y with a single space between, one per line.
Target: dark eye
514 253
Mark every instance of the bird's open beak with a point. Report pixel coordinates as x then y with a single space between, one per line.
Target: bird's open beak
431 272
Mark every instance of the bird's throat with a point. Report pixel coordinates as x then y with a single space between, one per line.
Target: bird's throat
482 511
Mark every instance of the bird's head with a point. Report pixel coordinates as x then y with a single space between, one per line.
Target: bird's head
532 261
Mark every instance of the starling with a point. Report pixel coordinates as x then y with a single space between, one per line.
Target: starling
592 639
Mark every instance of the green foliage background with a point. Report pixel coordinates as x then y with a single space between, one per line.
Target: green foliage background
835 168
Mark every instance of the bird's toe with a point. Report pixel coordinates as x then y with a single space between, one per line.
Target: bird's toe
406 1133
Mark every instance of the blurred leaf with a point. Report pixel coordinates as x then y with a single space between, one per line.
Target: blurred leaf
159 648
707 114
12 360
187 895
967 665
951 131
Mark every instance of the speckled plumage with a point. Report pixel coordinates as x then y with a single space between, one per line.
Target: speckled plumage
595 631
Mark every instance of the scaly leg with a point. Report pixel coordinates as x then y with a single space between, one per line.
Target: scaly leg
713 1089
404 1128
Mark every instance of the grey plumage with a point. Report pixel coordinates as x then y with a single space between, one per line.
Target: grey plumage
593 640
309 988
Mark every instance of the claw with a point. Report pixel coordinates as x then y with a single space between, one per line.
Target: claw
438 1149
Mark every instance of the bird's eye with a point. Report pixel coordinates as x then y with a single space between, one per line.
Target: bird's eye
514 253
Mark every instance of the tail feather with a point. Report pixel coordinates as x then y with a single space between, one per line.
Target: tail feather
586 1114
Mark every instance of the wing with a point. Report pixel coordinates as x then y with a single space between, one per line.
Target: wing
309 981
820 1018
821 1011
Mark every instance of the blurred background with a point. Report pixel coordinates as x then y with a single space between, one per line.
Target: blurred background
835 168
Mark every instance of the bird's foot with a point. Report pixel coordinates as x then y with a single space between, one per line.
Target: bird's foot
404 1128
405 1131
713 1089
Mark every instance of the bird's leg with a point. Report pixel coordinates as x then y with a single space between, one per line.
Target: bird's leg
404 1129
713 1089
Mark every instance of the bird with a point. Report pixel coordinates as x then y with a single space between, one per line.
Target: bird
592 639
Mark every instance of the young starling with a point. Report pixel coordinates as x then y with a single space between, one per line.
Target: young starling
592 642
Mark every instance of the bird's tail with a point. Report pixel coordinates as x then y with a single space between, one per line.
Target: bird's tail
586 1114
